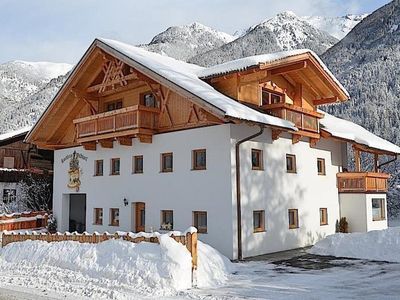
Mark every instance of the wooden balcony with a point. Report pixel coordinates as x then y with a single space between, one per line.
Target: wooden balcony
303 119
362 182
127 121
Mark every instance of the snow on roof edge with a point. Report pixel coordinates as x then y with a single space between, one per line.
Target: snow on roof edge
12 134
348 130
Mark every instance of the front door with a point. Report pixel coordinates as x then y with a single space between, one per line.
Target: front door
77 212
139 216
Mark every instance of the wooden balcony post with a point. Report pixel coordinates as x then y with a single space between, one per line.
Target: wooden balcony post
376 159
357 160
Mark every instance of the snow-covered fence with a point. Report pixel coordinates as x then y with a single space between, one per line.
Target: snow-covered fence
189 238
25 220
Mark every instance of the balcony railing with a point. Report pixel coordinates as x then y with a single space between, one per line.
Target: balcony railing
362 182
303 119
133 117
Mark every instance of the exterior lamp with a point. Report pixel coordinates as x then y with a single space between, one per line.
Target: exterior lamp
125 202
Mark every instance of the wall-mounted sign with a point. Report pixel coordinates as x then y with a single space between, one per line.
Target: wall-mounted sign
74 171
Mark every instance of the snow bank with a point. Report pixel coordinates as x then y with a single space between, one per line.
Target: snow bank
148 268
383 245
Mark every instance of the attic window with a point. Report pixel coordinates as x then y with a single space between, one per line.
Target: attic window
148 100
269 97
113 105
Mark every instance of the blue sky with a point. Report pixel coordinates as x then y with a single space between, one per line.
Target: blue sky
61 30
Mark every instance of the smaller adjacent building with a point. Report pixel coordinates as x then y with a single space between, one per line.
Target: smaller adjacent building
18 160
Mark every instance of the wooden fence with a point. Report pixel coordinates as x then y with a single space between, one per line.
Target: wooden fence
189 240
18 221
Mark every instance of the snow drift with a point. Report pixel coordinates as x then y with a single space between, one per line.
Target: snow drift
148 268
382 245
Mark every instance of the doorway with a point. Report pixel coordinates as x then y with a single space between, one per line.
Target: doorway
77 213
139 216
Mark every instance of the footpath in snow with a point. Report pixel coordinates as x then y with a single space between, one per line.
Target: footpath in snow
114 269
381 245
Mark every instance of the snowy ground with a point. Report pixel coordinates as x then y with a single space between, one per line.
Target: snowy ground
300 275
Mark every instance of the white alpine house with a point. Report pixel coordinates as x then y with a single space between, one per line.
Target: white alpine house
144 142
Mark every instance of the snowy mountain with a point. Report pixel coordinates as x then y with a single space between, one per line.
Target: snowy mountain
338 27
183 42
367 62
285 31
20 80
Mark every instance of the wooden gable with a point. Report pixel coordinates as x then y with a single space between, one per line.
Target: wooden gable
79 113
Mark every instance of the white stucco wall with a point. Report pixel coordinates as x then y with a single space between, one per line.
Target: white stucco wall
275 191
182 191
357 208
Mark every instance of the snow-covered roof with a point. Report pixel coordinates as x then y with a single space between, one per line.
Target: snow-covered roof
350 131
252 61
186 77
12 134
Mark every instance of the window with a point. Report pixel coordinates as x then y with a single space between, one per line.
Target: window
9 195
149 100
166 162
98 216
9 162
109 106
270 97
259 221
291 163
323 216
98 167
200 221
115 166
138 164
256 159
378 209
114 217
199 159
293 218
167 220
321 166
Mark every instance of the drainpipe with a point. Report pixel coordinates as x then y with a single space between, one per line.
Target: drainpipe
238 197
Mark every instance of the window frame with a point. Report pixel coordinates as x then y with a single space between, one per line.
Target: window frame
96 162
323 216
195 167
195 215
10 199
382 209
294 163
322 161
113 220
163 224
260 153
295 225
117 103
261 228
112 170
163 156
134 161
143 98
98 216
271 92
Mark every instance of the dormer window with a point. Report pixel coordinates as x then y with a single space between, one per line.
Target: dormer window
269 97
149 100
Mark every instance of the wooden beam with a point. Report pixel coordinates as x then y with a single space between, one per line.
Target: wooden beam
326 100
357 159
296 138
144 138
97 87
376 161
125 141
313 142
289 68
298 96
89 146
275 134
108 143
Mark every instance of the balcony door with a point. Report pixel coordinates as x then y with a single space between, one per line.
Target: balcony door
138 216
